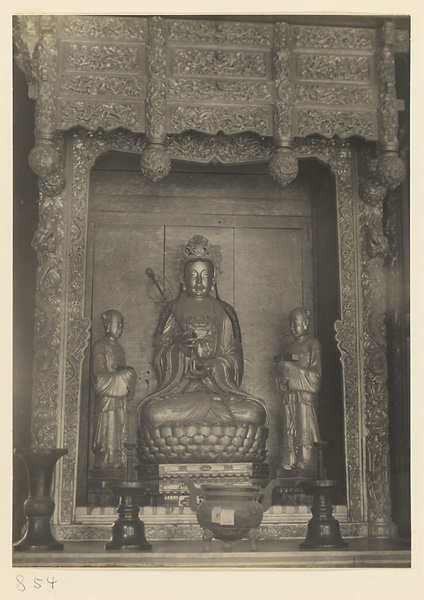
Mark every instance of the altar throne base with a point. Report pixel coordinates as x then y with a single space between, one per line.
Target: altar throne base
179 523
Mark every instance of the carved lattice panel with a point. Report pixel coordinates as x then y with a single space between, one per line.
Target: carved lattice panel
102 73
335 86
219 77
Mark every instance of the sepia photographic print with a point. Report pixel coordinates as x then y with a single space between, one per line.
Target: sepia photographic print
211 364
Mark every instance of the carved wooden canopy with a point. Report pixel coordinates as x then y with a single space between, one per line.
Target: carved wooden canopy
233 92
165 76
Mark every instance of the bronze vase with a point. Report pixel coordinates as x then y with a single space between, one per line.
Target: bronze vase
39 506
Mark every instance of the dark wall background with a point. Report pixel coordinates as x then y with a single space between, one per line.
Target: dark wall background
327 309
397 224
25 216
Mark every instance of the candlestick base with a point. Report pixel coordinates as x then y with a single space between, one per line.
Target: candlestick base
128 531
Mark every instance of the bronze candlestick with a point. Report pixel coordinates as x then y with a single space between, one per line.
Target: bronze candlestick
323 529
128 530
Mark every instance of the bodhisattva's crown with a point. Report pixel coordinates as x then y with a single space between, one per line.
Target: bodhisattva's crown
198 247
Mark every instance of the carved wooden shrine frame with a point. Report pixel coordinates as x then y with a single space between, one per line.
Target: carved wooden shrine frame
62 331
293 82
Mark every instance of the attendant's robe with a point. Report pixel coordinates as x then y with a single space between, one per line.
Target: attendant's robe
111 383
299 381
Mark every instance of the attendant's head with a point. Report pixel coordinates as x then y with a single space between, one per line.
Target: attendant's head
299 322
199 278
113 322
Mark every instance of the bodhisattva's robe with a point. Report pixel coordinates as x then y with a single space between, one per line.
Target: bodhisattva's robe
181 398
111 382
299 381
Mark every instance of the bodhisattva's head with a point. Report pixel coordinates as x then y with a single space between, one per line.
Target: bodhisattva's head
113 322
299 322
199 278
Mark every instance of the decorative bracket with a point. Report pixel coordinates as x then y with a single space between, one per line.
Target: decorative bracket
45 159
391 169
283 166
155 161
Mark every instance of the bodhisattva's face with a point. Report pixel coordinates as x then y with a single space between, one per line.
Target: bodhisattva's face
298 326
116 326
198 279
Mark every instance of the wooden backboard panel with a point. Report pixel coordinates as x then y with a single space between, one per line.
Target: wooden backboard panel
266 267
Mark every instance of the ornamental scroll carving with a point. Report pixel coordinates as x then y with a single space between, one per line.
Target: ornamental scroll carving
219 90
48 245
374 251
334 38
211 119
391 169
283 166
191 531
336 94
215 32
107 115
155 162
128 28
283 104
103 57
45 64
323 66
108 54
222 63
335 122
101 85
156 65
243 148
46 158
388 113
22 55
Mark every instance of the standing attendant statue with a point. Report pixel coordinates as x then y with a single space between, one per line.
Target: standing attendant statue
299 380
113 384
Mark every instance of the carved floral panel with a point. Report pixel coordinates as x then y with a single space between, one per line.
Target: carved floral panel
211 119
105 115
101 85
317 93
336 122
334 37
219 90
119 28
218 32
102 57
245 148
324 66
220 63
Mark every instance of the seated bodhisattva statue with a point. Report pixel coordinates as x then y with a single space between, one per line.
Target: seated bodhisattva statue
198 412
299 380
113 384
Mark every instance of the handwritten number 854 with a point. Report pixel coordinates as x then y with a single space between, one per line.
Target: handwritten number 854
37 582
